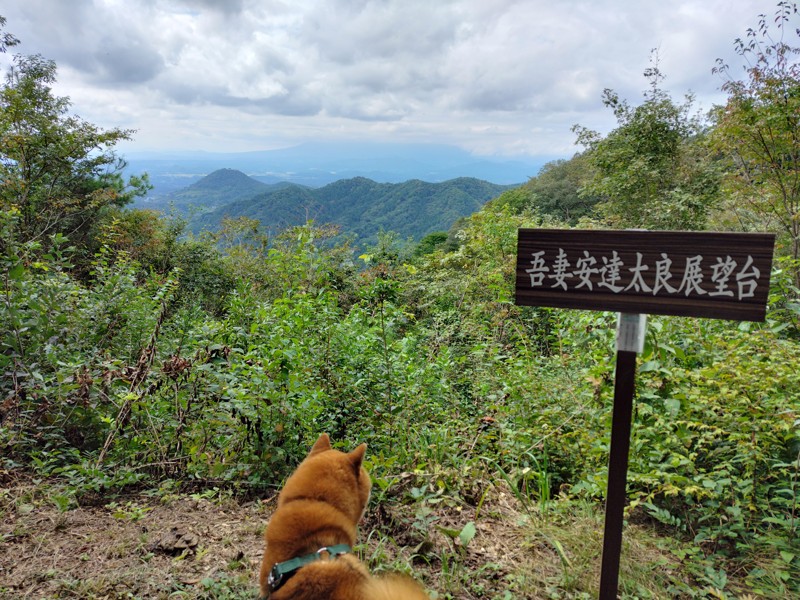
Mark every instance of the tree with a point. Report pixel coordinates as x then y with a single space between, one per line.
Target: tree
554 191
557 189
757 130
430 243
58 172
652 171
6 39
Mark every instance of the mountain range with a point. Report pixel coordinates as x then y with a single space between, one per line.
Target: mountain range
360 206
320 163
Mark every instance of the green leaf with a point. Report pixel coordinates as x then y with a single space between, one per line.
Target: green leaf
650 365
467 533
17 271
787 557
451 533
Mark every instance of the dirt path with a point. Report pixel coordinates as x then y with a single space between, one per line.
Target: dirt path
209 545
134 547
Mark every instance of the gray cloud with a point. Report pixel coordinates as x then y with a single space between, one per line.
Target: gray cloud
130 62
106 46
492 75
228 7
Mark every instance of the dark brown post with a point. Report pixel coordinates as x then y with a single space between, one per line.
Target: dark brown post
624 382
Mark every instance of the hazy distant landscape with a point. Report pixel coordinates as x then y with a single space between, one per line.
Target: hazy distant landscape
361 207
319 164
409 189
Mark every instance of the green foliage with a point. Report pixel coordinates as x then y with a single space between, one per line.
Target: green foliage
717 454
430 243
299 259
62 338
784 298
556 191
6 39
758 129
58 171
359 206
731 427
158 246
113 380
651 171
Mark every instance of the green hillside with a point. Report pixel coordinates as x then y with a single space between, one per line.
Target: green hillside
360 206
216 189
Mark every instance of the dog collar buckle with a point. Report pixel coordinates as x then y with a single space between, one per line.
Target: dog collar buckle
275 577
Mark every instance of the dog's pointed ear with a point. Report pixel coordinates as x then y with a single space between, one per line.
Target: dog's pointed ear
357 458
322 444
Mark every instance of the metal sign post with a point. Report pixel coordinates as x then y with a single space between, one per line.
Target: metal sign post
692 274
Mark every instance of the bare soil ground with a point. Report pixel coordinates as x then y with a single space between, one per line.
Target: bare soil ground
134 547
209 544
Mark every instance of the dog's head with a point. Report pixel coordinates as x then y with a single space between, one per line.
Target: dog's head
334 477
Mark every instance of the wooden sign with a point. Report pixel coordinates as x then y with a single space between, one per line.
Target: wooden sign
692 274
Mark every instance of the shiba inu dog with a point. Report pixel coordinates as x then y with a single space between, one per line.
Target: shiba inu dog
309 539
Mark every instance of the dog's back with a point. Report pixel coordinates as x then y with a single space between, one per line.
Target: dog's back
314 527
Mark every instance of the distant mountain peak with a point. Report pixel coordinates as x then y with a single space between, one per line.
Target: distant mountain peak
226 178
219 187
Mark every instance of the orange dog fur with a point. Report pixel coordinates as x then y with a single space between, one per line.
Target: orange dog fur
320 506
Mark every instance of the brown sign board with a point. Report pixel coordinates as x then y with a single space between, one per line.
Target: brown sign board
691 274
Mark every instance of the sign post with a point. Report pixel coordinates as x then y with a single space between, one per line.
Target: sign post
694 274
630 342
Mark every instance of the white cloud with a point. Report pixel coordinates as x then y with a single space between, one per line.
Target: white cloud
495 76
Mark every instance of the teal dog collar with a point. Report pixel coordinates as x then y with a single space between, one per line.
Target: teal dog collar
282 571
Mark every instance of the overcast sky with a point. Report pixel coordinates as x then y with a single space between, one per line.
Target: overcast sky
492 76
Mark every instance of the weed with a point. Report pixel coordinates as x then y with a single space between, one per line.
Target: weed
130 511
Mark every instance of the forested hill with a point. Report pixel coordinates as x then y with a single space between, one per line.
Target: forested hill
216 189
360 206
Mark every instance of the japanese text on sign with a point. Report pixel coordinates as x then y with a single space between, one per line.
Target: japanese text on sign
701 274
727 277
